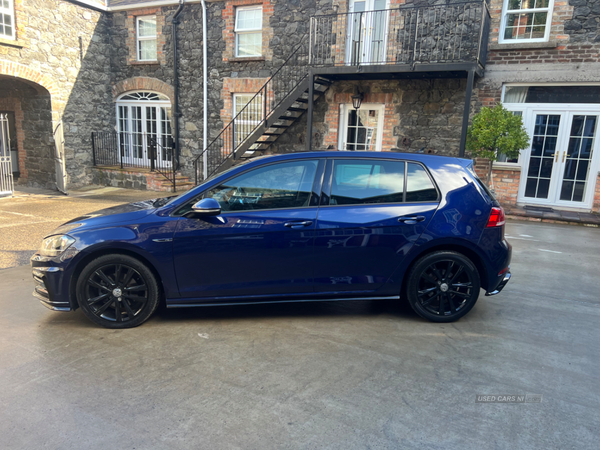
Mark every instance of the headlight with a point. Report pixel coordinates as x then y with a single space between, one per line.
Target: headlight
55 245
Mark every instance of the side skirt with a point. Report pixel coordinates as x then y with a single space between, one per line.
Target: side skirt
262 302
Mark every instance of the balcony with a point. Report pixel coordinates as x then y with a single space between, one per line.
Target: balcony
449 37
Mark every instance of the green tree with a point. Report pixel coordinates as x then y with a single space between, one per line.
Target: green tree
496 131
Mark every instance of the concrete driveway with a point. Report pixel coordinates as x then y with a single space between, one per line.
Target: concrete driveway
30 214
347 375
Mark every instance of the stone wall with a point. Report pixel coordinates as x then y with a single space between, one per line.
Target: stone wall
63 50
584 26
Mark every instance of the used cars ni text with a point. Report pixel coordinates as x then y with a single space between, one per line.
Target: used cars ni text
295 227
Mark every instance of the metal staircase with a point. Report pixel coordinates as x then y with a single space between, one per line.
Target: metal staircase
276 106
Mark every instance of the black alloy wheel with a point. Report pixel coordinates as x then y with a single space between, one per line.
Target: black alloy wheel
117 291
443 286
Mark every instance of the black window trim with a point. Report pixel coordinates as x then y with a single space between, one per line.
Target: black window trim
198 197
326 191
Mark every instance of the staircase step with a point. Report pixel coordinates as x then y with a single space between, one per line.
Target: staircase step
294 109
323 81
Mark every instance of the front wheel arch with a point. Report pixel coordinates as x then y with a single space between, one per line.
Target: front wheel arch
111 251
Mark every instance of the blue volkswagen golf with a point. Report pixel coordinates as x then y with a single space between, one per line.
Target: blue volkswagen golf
318 226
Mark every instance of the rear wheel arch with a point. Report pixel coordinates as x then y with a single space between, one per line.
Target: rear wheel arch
475 258
110 251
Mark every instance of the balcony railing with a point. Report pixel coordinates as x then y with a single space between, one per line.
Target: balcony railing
456 32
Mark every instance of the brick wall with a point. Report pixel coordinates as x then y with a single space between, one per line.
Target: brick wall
332 117
237 86
596 205
567 53
505 181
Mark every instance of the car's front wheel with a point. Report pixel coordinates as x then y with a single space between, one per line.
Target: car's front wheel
117 291
443 286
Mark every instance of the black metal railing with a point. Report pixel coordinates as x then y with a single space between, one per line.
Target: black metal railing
451 33
135 150
256 112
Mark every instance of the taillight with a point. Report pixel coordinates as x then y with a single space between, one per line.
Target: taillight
496 217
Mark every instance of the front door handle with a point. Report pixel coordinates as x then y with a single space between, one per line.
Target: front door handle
299 224
410 220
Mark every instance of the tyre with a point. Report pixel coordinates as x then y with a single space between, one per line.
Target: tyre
443 286
117 291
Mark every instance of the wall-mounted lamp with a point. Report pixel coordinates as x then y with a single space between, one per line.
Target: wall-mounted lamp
357 99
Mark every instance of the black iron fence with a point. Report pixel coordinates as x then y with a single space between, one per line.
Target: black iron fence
135 150
450 33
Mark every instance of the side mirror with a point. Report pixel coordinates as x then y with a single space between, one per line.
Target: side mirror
204 208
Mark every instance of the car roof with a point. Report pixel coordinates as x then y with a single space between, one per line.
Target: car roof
420 157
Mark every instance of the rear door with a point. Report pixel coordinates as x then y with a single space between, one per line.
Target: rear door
262 242
372 212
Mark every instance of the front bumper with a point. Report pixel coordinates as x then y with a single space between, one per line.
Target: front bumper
48 281
503 283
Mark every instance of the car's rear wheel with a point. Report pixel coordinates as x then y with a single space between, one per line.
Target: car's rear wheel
117 291
443 286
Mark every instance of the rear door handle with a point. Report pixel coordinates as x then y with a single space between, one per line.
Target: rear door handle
410 220
299 224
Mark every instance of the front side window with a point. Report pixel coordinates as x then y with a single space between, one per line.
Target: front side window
248 31
146 38
526 20
246 119
360 182
7 19
276 186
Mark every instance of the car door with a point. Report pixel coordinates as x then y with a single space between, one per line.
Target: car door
372 212
261 244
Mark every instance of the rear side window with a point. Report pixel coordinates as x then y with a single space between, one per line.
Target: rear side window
419 187
360 182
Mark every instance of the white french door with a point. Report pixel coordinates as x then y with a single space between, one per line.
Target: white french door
144 133
361 130
559 168
367 32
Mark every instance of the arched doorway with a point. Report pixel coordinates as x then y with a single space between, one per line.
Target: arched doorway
31 102
144 128
28 110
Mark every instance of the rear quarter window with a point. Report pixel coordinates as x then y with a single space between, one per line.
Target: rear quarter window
419 187
487 190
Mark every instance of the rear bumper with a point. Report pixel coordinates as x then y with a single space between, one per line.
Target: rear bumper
503 283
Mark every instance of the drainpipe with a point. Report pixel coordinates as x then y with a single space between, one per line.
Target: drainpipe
176 113
205 93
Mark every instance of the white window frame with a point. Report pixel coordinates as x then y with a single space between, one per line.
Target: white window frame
139 38
239 31
246 123
506 12
127 122
10 11
345 108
